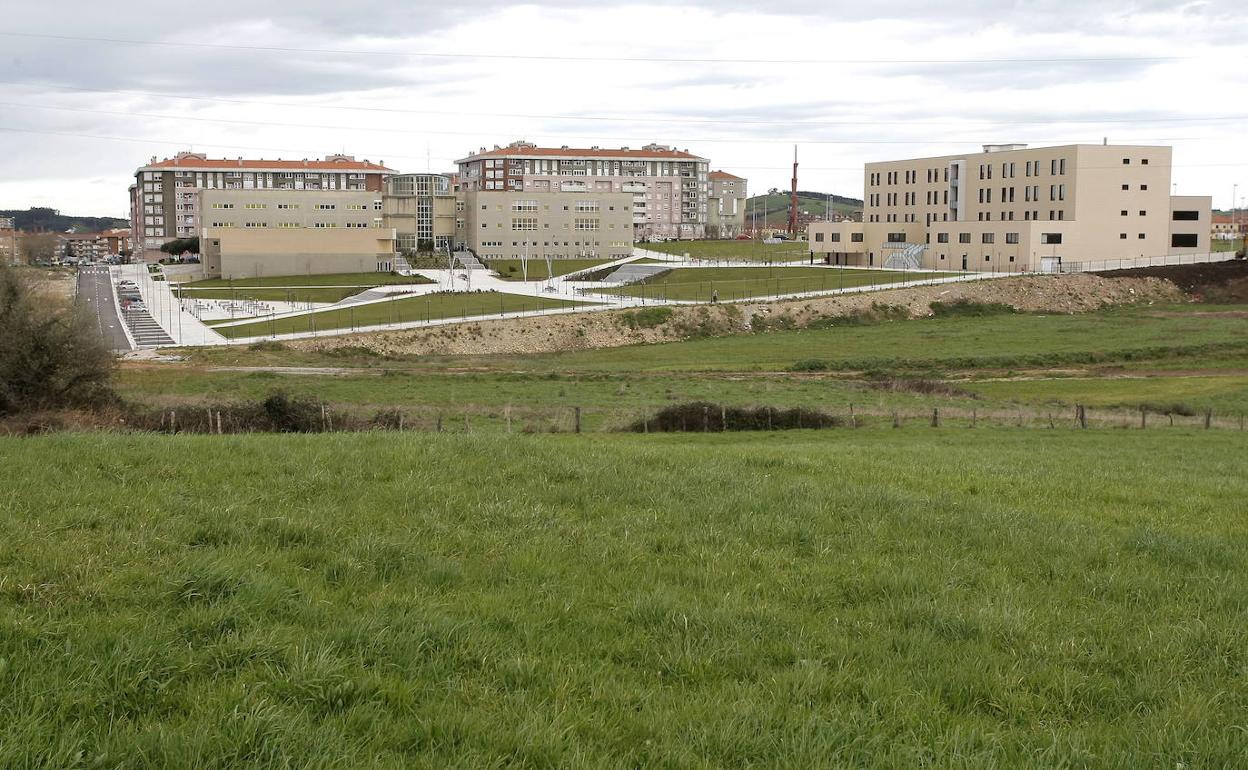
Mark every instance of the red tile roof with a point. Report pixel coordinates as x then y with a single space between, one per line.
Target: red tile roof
290 165
724 176
529 151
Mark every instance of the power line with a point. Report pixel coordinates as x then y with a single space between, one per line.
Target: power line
630 119
183 45
594 137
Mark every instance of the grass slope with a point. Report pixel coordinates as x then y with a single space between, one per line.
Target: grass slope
350 280
427 307
996 599
509 269
742 251
697 283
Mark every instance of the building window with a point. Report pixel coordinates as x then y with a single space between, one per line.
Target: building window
1144 162
1185 216
521 206
964 237
818 237
1184 240
836 237
1050 238
1122 236
1141 236
1126 161
1143 213
1126 187
1124 212
942 237
1011 237
855 237
987 237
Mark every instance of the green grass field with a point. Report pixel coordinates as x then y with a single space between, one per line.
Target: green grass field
330 287
697 283
510 270
428 307
893 599
743 251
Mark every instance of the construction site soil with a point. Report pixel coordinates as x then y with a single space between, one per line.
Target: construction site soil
1216 282
1049 294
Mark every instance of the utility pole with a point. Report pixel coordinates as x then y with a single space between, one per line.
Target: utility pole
793 198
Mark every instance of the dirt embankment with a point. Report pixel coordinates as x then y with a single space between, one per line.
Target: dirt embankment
1214 282
1053 294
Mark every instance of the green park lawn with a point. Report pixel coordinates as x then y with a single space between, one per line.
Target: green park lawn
744 251
697 283
510 269
426 307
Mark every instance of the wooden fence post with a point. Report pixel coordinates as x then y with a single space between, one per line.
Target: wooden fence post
439 423
935 417
577 413
853 419
723 419
896 420
974 417
1208 418
507 414
1143 417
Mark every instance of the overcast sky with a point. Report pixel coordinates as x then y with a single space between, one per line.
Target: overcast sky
737 82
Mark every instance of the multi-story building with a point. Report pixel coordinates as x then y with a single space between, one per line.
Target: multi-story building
1011 207
667 187
560 225
258 232
1229 227
8 241
725 205
422 210
164 197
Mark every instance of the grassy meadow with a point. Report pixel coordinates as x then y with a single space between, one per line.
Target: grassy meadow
990 598
511 269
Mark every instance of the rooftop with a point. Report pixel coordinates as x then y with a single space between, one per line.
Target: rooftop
196 160
724 176
529 150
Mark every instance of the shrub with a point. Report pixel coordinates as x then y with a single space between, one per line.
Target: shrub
51 356
965 308
646 317
268 345
292 415
703 416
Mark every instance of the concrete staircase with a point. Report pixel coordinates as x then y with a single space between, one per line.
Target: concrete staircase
632 273
906 256
468 260
146 332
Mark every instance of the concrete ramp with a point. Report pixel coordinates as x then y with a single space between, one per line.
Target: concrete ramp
632 273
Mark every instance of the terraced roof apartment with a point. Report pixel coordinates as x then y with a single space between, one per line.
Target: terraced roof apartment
164 197
726 205
667 187
1011 207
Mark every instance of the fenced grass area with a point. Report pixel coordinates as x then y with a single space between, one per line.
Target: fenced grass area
272 294
903 597
426 307
701 284
347 280
744 251
512 270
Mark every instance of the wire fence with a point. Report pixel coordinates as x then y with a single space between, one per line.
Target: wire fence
695 417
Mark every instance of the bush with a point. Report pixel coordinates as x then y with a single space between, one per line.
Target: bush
965 308
646 318
51 356
266 345
292 415
703 416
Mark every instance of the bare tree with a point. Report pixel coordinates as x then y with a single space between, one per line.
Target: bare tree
33 248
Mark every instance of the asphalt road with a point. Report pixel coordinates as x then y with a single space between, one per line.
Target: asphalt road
96 290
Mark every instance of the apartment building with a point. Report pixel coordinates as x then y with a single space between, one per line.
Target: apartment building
256 232
504 224
1011 207
667 188
1229 227
725 204
421 208
164 198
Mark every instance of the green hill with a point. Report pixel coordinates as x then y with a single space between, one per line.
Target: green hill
773 208
55 221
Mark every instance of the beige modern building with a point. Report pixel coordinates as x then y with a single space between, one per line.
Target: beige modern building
164 197
1011 207
559 225
667 187
725 205
421 209
258 232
